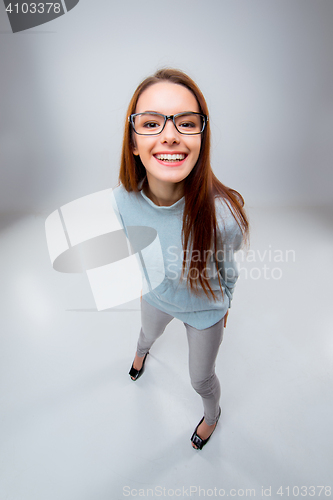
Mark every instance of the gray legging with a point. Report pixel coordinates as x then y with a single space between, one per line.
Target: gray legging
203 348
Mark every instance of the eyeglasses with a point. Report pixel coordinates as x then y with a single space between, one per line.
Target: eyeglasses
187 123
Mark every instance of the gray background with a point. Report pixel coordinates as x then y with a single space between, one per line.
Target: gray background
264 66
73 424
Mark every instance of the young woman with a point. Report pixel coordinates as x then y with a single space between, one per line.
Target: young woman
166 183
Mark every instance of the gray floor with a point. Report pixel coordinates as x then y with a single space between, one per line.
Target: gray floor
75 427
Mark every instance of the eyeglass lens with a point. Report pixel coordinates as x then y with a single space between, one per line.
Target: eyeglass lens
149 124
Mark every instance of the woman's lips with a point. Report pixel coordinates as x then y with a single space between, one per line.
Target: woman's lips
170 159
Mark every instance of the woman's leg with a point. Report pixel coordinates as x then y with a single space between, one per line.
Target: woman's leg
153 323
203 348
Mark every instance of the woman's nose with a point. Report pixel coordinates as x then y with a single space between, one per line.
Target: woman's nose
170 133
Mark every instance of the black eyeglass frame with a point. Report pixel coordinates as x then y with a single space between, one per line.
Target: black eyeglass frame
170 117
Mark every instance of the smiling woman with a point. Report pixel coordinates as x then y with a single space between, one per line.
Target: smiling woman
166 182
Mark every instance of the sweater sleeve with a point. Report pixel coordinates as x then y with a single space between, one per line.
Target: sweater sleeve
229 241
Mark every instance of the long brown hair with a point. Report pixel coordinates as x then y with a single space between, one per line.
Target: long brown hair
201 186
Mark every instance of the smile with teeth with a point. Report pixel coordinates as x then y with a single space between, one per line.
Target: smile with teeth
171 157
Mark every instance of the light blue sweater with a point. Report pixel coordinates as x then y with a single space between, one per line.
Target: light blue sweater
137 213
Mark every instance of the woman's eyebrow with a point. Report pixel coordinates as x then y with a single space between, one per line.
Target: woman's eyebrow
151 111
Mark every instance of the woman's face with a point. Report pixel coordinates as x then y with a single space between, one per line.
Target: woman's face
167 98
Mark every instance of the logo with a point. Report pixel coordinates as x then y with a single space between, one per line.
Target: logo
87 236
25 15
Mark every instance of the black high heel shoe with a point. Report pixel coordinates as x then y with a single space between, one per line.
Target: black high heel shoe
137 373
199 443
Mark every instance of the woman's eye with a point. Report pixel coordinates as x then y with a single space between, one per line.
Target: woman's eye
151 125
187 125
